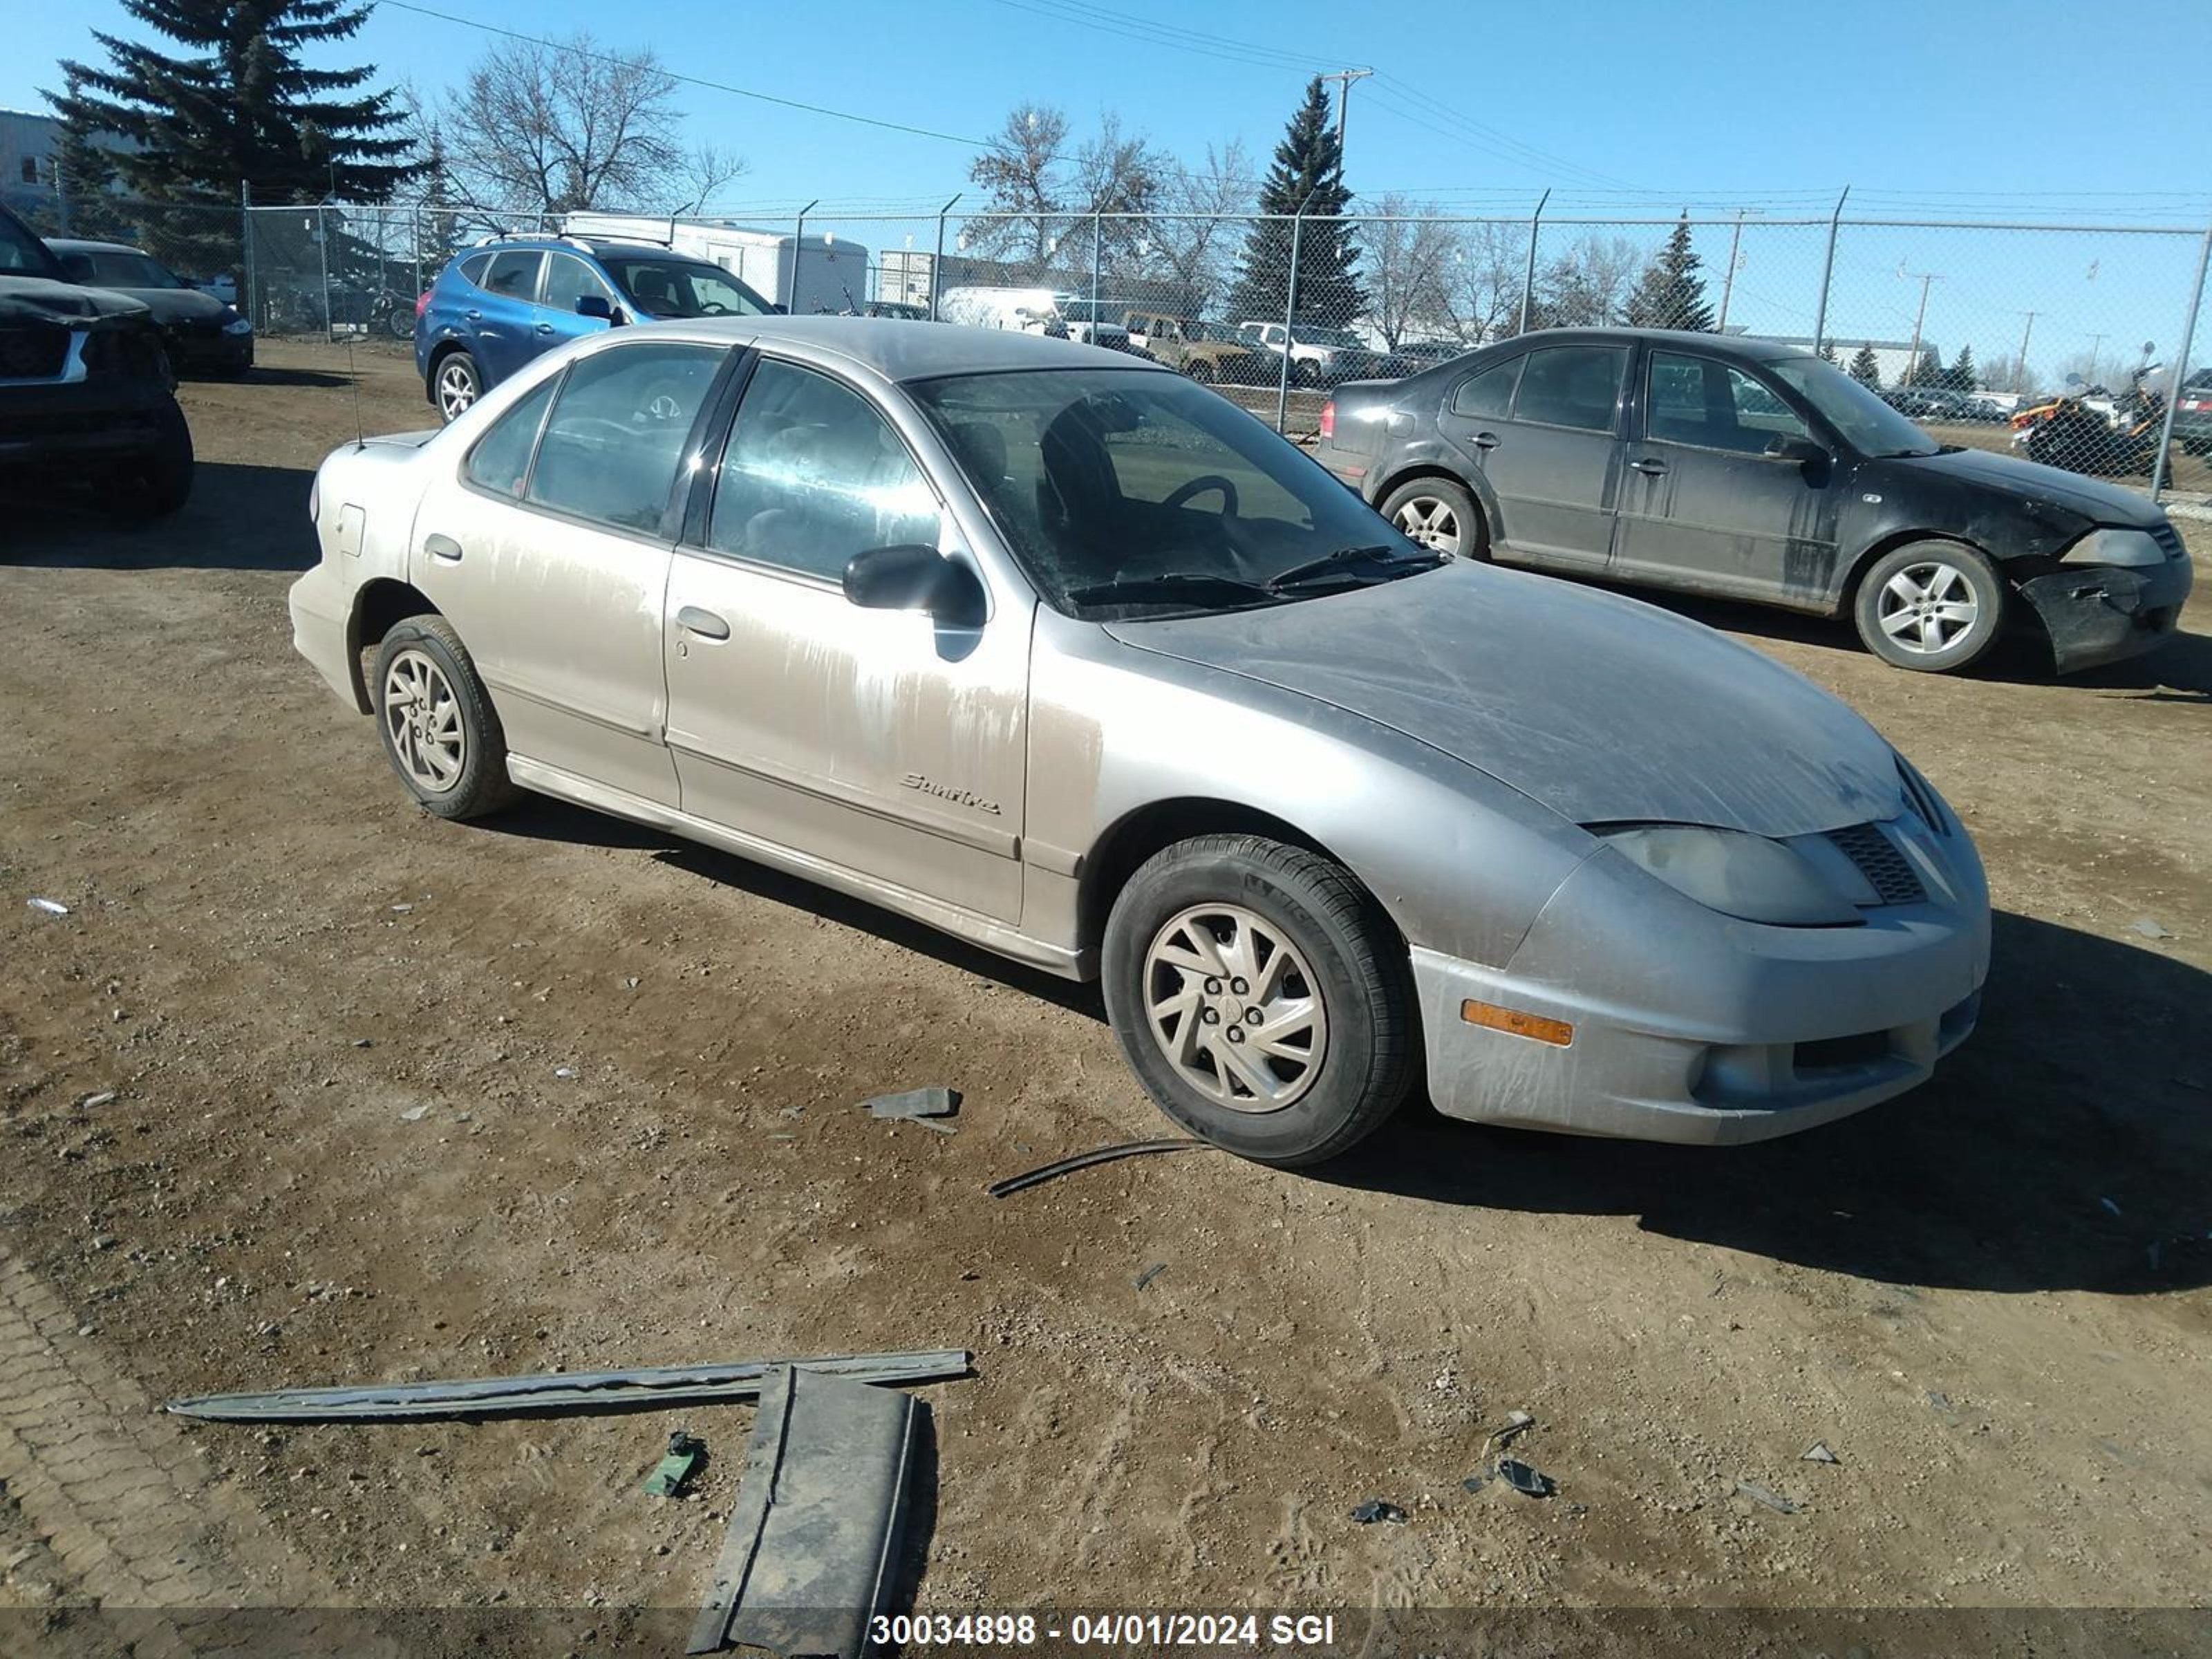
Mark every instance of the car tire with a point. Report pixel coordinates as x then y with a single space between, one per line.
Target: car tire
436 721
1932 607
1441 514
456 383
1320 946
1200 370
399 323
158 483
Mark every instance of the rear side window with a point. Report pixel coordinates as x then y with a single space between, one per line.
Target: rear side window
501 460
616 435
474 267
1490 392
513 274
1571 386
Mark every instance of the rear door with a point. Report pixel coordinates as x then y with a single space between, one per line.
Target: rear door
502 319
1551 455
548 551
1703 506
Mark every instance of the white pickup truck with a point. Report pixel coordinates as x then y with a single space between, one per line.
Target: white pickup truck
1319 356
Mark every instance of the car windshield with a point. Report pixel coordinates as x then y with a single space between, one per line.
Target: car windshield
1082 311
1327 337
1220 333
105 268
664 288
1867 424
22 254
1128 492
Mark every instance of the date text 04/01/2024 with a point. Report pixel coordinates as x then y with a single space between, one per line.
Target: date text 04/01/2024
1157 1629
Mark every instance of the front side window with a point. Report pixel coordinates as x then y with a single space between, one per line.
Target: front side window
814 474
615 438
568 279
513 274
1489 393
501 460
1571 386
1697 400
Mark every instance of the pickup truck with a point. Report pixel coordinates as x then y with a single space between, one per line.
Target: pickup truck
1319 356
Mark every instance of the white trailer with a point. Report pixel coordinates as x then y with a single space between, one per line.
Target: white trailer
831 271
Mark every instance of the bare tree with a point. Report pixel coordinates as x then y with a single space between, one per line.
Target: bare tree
558 127
1195 246
1482 280
1587 285
1021 198
1408 253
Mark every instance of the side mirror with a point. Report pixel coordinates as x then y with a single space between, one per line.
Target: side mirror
1797 451
595 306
913 577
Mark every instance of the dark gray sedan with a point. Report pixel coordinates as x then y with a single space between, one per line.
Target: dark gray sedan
1754 470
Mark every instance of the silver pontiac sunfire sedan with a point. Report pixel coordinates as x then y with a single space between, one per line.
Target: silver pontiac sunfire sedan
1062 653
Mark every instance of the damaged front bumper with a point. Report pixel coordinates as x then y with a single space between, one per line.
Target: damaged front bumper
2097 613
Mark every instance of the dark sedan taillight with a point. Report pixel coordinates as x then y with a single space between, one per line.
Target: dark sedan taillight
1328 421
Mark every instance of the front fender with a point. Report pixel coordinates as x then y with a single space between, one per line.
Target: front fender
1461 862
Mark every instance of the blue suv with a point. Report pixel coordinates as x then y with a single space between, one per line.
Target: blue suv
498 305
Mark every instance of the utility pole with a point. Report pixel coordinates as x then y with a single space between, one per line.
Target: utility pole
2096 345
1344 78
1913 359
1727 282
2019 364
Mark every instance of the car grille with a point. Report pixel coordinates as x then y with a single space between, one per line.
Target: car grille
1878 860
32 353
2169 541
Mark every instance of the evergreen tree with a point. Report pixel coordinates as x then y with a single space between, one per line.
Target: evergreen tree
1962 374
238 105
1928 370
1828 353
1866 367
1307 177
1670 294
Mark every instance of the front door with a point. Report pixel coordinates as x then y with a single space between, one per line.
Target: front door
887 744
1552 461
1705 508
548 553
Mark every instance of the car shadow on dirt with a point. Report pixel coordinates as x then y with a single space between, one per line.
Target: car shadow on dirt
2063 1148
239 517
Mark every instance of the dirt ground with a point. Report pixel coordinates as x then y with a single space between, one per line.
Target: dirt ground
286 1102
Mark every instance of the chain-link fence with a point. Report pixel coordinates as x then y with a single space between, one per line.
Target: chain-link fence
2070 344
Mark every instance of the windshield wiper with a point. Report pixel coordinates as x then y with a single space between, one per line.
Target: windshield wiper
1334 566
1172 586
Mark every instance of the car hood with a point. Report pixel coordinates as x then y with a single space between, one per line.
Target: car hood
1602 709
35 299
173 305
2031 484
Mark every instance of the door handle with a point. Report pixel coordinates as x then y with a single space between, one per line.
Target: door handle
443 547
472 313
1485 441
705 624
1649 467
542 328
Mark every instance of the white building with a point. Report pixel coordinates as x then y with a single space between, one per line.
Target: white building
29 144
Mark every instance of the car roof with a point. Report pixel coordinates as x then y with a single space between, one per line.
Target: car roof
598 247
72 245
898 349
1744 346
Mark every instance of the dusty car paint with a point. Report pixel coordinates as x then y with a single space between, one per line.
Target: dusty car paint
1448 738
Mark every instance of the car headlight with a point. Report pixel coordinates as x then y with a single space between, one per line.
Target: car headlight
238 325
2132 549
1734 872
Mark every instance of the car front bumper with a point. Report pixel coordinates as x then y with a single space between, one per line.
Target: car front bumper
2101 613
1690 1026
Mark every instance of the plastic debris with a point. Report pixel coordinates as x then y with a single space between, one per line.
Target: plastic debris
1475 1482
1377 1508
101 1099
401 909
1759 1494
1818 1452
1530 1483
47 906
1013 1184
415 1114
564 1071
2148 928
685 1453
1151 1273
916 1103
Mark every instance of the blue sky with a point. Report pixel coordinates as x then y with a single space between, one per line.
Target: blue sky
1925 109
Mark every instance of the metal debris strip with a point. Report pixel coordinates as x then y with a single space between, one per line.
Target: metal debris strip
1038 1177
1379 1508
820 1521
1759 1494
918 1104
505 1396
47 907
1818 1452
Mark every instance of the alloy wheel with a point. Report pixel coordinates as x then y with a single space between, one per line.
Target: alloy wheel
457 390
423 721
1429 522
1928 607
1235 1008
